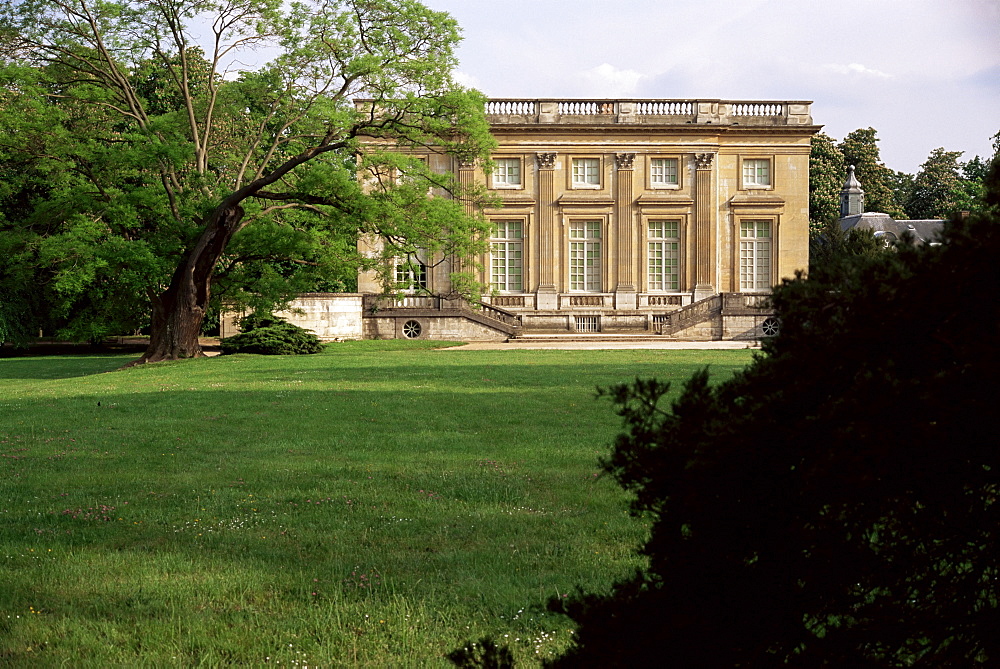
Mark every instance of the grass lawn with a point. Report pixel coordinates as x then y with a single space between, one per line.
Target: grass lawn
374 505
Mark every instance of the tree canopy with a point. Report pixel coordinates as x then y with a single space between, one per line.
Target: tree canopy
860 148
835 504
161 152
827 173
936 191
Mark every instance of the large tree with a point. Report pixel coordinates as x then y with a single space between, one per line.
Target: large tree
860 148
836 504
169 158
936 191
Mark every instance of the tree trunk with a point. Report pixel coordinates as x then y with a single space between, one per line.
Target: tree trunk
179 311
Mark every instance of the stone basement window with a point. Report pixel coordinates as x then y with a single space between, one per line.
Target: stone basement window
587 323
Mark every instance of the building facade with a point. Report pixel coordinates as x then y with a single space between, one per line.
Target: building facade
665 217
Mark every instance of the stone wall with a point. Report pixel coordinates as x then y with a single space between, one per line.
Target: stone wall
444 327
330 315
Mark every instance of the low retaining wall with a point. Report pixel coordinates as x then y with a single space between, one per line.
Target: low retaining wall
330 315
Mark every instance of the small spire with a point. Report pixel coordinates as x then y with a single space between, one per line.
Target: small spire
852 197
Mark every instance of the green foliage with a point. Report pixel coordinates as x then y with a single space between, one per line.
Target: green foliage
936 191
827 172
128 128
860 148
834 253
265 334
836 503
972 187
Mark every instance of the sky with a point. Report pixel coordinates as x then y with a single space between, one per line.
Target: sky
923 73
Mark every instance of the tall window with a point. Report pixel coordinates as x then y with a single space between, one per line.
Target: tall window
756 173
755 255
507 173
411 274
585 256
663 270
663 172
506 256
586 172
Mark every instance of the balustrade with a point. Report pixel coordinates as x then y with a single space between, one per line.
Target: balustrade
650 111
756 109
665 108
508 301
520 107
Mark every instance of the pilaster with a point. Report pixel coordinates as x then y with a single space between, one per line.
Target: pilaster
467 178
705 227
547 296
625 289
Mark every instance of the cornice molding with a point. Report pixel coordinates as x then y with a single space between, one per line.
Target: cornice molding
653 200
762 201
639 129
574 200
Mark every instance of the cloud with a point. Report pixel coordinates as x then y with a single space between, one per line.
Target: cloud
856 68
465 79
607 81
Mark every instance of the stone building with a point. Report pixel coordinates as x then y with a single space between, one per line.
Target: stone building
885 227
667 218
673 217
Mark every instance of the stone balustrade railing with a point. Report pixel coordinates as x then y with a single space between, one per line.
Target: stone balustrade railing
503 111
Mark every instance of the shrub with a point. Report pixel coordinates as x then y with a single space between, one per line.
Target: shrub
269 335
835 504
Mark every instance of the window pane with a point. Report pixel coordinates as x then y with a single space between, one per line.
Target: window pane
755 255
585 256
507 171
663 171
663 256
506 269
586 171
757 172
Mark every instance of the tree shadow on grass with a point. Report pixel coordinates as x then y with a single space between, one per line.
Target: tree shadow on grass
60 367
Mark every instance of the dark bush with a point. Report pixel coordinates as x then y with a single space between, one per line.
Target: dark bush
269 335
836 503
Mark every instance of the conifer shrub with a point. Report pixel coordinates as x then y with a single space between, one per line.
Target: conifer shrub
266 334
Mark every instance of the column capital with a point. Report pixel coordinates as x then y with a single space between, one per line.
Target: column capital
703 161
546 161
624 161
